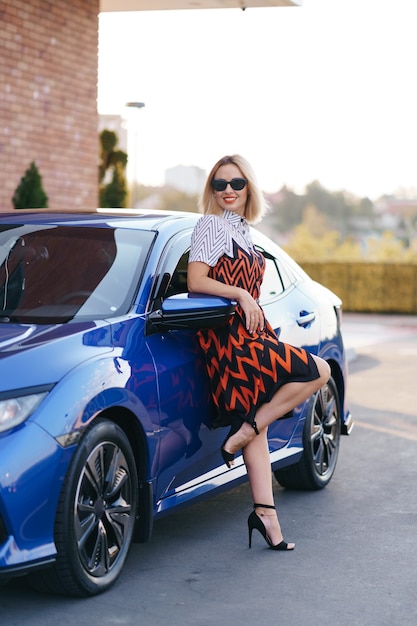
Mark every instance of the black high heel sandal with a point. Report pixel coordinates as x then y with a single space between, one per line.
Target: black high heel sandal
255 522
228 457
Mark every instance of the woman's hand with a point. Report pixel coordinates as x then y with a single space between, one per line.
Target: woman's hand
254 316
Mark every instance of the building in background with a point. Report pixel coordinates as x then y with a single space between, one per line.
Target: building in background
48 87
187 178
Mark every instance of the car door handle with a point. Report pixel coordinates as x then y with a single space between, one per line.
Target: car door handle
306 318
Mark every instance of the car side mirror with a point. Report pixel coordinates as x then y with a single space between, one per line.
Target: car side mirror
191 310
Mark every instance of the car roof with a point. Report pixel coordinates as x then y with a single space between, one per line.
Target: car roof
110 218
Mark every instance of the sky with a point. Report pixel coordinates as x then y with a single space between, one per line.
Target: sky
324 92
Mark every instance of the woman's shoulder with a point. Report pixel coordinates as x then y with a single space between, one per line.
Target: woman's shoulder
210 222
209 218
208 240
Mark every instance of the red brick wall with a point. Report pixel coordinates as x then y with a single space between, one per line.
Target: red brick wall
48 98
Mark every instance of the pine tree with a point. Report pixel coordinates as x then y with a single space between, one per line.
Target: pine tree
29 193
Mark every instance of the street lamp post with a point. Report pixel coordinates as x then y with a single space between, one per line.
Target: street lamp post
135 105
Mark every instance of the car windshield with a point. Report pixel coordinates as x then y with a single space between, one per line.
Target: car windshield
53 274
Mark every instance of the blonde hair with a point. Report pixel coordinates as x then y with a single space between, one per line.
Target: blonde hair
256 205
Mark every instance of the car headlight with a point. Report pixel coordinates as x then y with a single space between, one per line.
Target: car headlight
14 411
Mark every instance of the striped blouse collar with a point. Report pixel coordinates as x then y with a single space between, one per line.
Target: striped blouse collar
234 218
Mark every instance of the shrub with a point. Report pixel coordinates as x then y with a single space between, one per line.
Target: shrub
29 193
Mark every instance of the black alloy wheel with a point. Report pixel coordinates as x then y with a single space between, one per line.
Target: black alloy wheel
96 515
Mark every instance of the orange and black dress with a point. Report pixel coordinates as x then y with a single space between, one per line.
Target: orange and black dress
245 369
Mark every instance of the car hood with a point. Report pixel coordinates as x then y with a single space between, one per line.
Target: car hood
32 354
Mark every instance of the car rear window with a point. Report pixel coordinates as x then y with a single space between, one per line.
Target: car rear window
52 274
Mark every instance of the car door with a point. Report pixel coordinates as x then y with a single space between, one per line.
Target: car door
292 313
295 318
188 452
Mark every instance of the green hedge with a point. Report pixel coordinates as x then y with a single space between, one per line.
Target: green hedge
369 287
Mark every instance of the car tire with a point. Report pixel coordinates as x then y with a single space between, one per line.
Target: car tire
321 440
95 517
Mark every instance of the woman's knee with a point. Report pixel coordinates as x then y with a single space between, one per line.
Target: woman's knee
323 368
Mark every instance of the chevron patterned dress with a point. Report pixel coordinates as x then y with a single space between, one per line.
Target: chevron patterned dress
245 369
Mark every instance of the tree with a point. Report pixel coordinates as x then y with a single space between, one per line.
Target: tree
29 193
344 212
315 240
113 194
286 210
335 206
386 248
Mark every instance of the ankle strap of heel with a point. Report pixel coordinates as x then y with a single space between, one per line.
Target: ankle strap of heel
263 506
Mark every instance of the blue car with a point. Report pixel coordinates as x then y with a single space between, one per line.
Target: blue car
105 406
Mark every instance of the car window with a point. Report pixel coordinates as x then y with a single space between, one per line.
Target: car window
171 274
278 277
51 274
272 285
178 283
288 278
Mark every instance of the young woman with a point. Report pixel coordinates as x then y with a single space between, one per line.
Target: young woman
256 379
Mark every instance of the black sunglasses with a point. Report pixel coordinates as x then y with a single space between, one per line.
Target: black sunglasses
219 184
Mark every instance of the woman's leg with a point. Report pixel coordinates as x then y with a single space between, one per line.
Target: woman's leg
285 399
258 465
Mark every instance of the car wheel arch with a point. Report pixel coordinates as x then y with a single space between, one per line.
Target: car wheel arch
337 375
134 431
128 422
109 493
